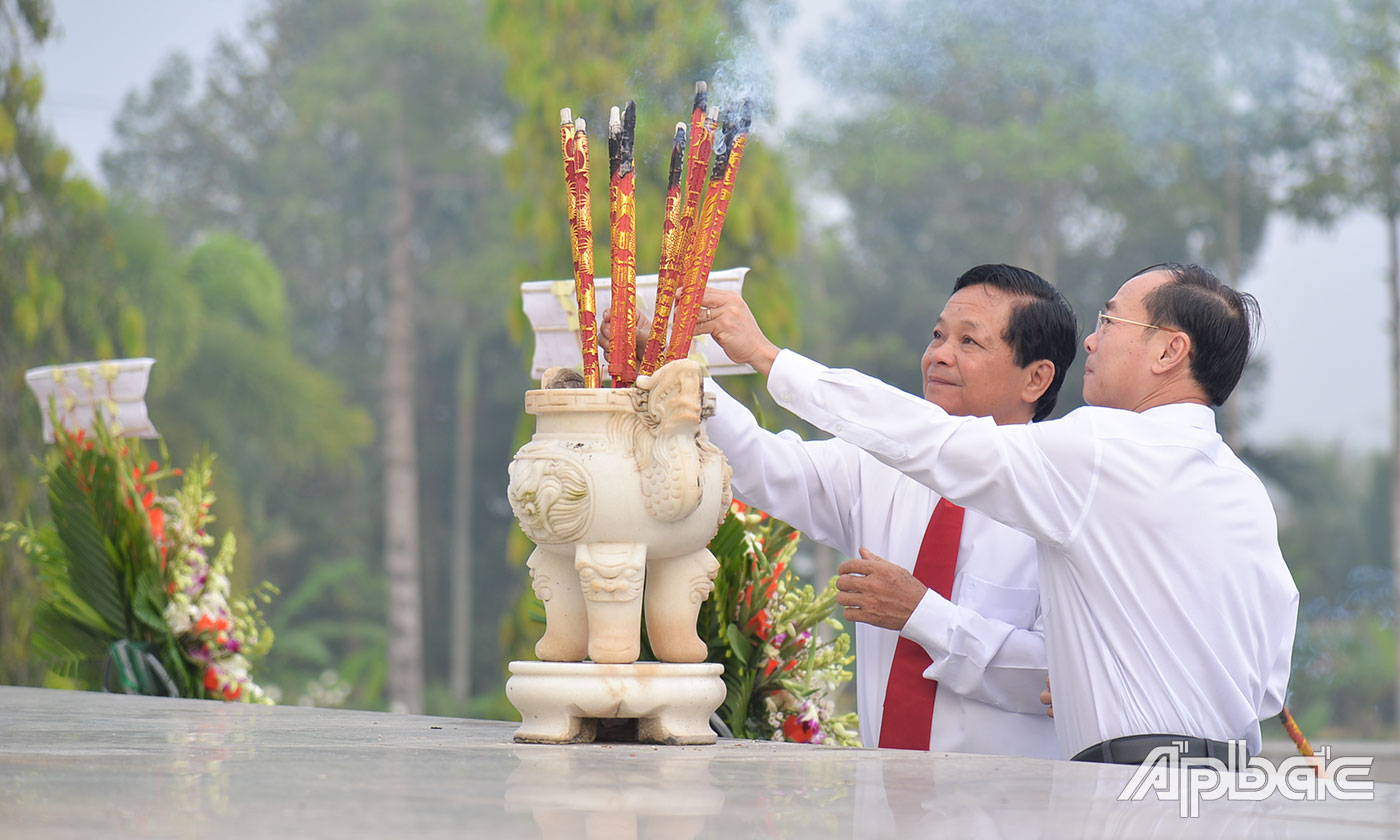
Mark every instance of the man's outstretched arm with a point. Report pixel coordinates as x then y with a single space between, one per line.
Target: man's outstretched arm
1036 478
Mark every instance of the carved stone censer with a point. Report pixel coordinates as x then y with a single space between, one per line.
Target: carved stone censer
621 492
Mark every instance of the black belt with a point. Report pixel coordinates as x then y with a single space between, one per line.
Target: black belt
1135 749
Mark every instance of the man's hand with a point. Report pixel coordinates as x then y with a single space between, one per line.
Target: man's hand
725 316
1045 698
643 332
876 591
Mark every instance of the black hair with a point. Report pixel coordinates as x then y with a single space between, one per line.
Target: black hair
1042 324
1220 321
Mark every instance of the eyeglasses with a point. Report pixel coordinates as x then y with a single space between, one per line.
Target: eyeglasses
1105 319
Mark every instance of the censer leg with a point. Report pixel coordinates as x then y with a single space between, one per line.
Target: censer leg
676 586
555 582
611 575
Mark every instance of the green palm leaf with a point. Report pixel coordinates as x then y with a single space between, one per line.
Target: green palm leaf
67 643
92 561
146 605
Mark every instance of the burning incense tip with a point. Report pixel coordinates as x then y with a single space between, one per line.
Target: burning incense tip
580 125
614 141
724 144
678 146
713 113
627 140
745 119
565 116
701 96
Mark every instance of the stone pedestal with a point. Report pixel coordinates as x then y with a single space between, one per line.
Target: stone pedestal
571 702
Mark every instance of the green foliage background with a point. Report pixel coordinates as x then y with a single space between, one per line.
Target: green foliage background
242 240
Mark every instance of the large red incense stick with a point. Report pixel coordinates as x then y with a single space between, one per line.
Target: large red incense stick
566 144
668 275
622 359
736 136
583 269
693 225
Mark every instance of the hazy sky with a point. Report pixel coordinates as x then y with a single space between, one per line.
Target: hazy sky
1322 292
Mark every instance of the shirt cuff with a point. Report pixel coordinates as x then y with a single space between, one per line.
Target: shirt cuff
791 375
931 624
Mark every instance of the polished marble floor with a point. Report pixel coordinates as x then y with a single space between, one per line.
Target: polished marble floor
84 765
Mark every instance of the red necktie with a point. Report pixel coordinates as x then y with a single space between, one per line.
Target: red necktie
908 715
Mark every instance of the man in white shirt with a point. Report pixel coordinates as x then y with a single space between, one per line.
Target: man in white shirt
1169 610
1000 349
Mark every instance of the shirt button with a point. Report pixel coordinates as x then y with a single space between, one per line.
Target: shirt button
787 396
840 427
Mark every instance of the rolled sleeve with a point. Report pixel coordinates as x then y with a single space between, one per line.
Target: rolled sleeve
982 658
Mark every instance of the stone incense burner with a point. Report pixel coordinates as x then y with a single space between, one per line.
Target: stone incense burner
621 491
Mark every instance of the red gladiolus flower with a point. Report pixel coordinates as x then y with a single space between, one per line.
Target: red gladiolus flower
178 471
157 524
790 666
762 624
149 499
211 679
799 731
152 467
770 667
232 692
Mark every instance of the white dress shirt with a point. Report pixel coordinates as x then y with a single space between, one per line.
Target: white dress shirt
1168 606
987 644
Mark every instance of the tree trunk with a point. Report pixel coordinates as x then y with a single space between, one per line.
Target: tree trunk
1023 238
1234 258
401 454
1393 281
1050 239
463 470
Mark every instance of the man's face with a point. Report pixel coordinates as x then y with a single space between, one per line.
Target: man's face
1121 354
969 368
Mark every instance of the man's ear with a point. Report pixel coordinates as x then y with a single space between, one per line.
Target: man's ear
1039 375
1175 355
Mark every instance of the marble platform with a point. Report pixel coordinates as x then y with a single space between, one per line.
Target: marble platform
86 765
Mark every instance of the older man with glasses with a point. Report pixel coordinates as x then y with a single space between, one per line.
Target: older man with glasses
1170 611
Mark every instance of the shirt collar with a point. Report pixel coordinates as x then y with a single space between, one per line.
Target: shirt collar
1187 414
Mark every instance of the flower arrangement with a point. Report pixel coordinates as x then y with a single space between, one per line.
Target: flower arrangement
762 626
131 599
